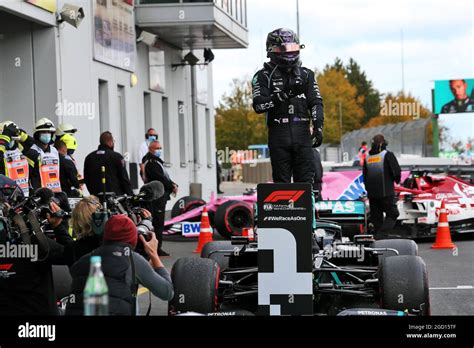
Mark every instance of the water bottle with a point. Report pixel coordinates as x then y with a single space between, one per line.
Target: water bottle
96 292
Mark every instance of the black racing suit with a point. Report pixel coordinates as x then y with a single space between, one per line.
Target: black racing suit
465 105
318 176
288 120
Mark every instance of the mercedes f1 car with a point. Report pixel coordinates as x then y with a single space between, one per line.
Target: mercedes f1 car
371 277
359 277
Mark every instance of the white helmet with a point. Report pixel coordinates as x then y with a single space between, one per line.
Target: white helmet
65 128
6 124
45 125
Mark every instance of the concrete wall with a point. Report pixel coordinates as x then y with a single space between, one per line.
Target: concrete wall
67 73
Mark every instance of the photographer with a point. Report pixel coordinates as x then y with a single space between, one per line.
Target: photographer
123 269
82 227
26 283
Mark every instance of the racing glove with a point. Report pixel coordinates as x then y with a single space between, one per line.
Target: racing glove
295 85
280 97
317 137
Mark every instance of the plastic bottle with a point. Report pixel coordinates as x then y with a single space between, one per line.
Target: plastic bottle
96 292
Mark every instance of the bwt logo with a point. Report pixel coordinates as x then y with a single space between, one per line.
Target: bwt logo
290 196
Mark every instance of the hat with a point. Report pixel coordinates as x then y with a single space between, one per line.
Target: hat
120 228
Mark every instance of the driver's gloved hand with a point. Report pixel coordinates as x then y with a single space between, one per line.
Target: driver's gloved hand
280 97
317 137
295 85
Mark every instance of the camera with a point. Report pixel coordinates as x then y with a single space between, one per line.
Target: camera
132 206
145 228
71 14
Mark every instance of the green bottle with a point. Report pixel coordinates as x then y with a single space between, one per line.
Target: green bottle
96 292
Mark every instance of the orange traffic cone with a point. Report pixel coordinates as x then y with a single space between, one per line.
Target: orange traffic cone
443 234
248 232
205 233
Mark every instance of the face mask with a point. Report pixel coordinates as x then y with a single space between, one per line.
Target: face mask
158 153
152 138
45 138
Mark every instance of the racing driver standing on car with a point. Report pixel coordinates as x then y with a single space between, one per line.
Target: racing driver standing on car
289 96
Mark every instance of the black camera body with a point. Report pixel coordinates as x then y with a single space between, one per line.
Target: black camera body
132 206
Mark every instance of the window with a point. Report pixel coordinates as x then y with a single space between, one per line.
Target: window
147 110
165 137
209 152
104 106
122 120
156 57
182 134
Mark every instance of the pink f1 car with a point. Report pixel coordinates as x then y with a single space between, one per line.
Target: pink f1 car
228 215
419 201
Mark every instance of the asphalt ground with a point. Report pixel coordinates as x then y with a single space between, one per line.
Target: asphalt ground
450 272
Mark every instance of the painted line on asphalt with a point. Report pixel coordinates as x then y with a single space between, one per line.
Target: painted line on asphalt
459 287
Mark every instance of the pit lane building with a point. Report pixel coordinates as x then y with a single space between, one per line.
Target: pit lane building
125 68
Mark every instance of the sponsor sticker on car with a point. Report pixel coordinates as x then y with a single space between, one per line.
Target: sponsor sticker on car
190 229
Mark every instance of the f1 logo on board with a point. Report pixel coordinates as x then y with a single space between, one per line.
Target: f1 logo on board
290 196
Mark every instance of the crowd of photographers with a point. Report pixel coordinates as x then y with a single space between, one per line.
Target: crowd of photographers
38 176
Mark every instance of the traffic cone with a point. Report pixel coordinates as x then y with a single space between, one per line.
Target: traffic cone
443 234
205 232
248 232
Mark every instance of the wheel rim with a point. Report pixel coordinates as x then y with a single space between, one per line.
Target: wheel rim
237 219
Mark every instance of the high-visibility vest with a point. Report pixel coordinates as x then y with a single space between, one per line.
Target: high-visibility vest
17 169
49 168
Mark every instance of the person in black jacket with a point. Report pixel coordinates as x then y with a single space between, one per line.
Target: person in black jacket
289 96
156 171
26 284
123 269
117 179
67 170
381 171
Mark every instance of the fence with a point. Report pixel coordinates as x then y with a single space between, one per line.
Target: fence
409 138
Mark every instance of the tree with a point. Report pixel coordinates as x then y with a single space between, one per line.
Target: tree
399 108
336 90
365 89
237 124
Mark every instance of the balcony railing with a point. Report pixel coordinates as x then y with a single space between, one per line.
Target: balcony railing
237 9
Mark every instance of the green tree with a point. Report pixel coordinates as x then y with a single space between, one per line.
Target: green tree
365 89
337 91
399 108
237 124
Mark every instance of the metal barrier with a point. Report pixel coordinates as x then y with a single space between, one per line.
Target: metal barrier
403 138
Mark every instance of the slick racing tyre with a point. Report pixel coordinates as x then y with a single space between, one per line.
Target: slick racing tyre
403 246
195 282
185 204
403 283
209 251
231 217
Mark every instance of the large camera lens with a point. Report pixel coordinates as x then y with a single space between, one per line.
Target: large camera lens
144 228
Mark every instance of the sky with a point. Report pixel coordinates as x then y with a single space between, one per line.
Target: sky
438 40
